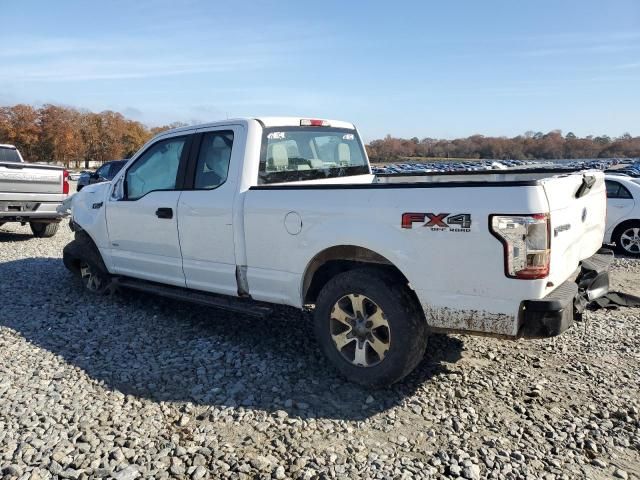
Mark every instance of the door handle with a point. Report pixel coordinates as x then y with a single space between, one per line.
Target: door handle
164 213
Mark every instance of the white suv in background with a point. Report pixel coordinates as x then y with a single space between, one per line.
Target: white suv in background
623 213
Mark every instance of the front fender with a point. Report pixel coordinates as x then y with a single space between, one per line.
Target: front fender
88 211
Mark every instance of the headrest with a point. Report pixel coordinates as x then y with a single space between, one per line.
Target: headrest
213 158
344 153
280 157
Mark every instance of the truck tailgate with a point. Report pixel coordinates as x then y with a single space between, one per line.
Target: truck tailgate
577 220
25 178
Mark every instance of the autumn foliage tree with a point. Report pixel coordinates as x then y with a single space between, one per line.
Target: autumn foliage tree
69 136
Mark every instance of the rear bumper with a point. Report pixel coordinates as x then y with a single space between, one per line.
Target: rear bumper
21 211
555 313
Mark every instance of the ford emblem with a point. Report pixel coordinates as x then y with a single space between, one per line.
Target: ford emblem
584 214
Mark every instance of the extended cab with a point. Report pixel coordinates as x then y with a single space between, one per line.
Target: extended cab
31 193
242 214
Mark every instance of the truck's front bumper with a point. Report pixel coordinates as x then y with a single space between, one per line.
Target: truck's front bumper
553 314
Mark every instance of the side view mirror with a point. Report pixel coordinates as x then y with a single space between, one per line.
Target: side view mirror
94 175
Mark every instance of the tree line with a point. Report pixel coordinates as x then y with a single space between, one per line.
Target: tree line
531 145
72 137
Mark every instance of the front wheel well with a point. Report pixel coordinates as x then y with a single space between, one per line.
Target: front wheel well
81 247
336 260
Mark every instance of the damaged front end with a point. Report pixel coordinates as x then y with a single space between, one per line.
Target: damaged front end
553 314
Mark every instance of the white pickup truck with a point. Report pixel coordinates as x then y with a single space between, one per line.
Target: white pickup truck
31 193
241 214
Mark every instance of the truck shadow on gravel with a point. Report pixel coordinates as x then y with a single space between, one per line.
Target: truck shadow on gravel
7 236
162 350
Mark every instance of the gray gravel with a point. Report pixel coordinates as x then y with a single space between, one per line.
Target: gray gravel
134 386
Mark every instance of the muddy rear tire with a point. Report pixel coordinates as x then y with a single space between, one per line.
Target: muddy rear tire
371 327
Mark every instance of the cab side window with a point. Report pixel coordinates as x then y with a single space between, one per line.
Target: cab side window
616 190
156 169
213 160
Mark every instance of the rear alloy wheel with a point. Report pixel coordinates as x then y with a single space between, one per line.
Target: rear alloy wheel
370 326
628 240
360 330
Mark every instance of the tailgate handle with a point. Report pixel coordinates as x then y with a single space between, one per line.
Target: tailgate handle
587 183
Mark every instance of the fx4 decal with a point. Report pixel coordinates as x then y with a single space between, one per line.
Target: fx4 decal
460 222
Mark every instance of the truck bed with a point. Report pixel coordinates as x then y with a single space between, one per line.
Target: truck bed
30 178
511 175
470 290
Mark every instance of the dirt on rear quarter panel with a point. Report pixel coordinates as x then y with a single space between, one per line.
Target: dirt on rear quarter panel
470 320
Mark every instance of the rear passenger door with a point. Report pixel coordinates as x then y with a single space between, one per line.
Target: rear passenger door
206 209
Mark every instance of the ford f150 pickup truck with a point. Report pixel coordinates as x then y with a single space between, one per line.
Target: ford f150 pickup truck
31 193
242 214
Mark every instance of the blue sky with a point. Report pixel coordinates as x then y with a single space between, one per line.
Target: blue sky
438 69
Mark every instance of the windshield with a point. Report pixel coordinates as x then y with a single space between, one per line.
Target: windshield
9 155
291 154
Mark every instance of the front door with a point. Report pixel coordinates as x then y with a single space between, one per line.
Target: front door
143 228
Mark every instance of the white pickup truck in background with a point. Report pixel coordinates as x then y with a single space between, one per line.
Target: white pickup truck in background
245 213
31 193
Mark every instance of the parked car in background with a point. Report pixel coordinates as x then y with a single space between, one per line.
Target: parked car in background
31 193
75 176
623 213
240 214
103 174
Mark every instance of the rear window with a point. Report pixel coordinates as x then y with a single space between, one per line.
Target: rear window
617 190
292 154
9 155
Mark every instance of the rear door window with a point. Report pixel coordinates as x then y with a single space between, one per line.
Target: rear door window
213 160
617 190
9 155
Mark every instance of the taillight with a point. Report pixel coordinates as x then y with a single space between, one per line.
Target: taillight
526 243
307 122
65 182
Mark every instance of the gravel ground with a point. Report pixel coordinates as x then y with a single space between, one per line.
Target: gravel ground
134 386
